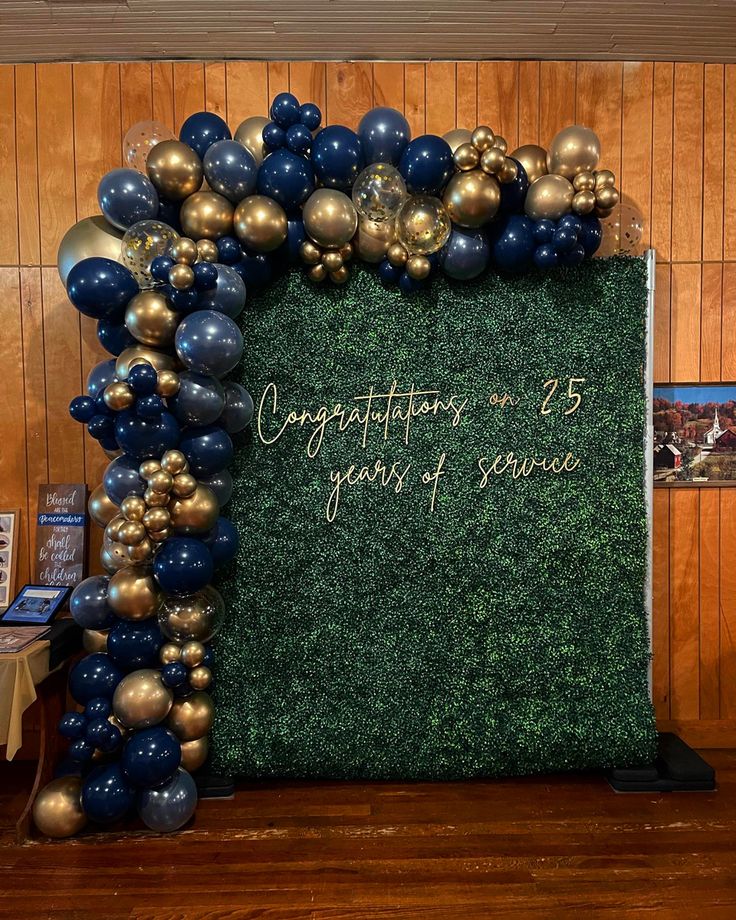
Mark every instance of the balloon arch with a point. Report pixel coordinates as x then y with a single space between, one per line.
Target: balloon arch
187 228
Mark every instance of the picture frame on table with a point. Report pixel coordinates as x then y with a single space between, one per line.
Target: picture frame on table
9 538
36 605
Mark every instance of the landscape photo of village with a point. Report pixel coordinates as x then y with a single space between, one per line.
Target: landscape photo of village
694 434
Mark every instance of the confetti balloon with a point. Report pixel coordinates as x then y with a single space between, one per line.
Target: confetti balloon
622 231
141 244
423 225
140 139
379 192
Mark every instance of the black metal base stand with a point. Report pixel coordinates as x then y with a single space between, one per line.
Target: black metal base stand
678 768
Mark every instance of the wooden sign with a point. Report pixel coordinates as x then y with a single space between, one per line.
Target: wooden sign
61 533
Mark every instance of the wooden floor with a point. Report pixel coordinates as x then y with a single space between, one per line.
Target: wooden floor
546 847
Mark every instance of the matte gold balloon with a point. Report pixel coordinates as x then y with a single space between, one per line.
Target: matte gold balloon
317 273
114 557
549 197
373 239
192 654
57 810
584 182
423 224
472 198
200 678
340 275
483 138
181 277
194 753
573 150
141 552
332 261
101 508
167 383
250 134
132 593
185 251
583 202
150 319
309 253
196 514
160 481
260 223
173 462
533 159
90 237
187 617
206 215
492 160
184 485
330 218
457 137
397 255
133 507
192 717
418 267
138 354
141 699
169 652
94 640
118 396
131 532
207 251
466 157
175 170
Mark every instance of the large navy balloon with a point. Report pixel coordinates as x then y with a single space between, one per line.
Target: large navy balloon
99 377
199 401
201 130
228 295
465 255
151 756
100 288
88 603
513 194
107 794
121 478
221 484
167 808
513 244
590 234
426 165
183 565
287 178
223 541
231 169
384 134
209 342
126 196
146 437
95 675
238 411
256 270
114 336
208 450
337 157
134 644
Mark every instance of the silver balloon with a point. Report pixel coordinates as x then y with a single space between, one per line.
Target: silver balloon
167 808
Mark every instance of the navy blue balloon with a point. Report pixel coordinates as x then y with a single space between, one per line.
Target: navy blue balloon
570 222
114 336
237 413
200 400
310 115
223 542
389 274
545 256
103 735
81 751
465 255
409 285
208 450
384 134
82 408
573 256
231 169
205 277
513 194
88 603
426 165
150 406
208 342
98 708
564 239
121 478
99 377
72 725
160 268
590 235
107 794
95 675
228 294
134 644
513 244
183 565
299 139
256 270
174 674
229 250
337 157
100 426
544 230
100 288
285 109
221 484
295 236
142 437
168 213
168 807
186 301
151 756
287 178
126 196
201 130
274 136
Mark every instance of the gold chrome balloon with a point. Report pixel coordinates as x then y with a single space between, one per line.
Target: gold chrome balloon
604 178
131 532
466 157
340 275
207 251
140 354
155 499
148 468
169 652
472 198
418 267
118 396
184 485
196 514
332 261
250 134
330 218
501 143
606 197
573 150
309 253
57 810
260 223
174 462
150 319
181 277
90 237
141 552
584 182
167 383
206 215
185 251
94 640
492 160
156 519
194 753
200 678
192 717
397 255
192 654
132 593
549 197
114 557
185 617
101 508
533 159
583 202
175 170
160 481
508 172
457 137
317 273
483 138
141 699
133 507
373 239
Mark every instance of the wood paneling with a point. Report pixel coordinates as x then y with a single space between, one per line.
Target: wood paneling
665 127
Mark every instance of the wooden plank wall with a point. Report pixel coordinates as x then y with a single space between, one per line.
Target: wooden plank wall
666 129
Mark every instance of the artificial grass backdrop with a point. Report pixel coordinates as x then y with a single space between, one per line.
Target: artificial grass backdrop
502 633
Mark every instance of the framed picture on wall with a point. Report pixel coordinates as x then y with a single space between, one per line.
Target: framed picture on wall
9 527
695 434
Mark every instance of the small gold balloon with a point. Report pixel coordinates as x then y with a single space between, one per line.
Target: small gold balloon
250 134
332 261
207 251
185 251
133 507
549 197
141 699
94 640
606 197
160 481
118 396
206 215
373 239
330 218
155 499
114 557
150 319
317 273
141 552
132 593
183 485
175 170
573 150
260 223
196 514
57 809
111 530
174 462
309 253
167 383
533 159
508 172
148 468
584 182
340 275
482 138
192 654
346 251
472 198
169 652
200 678
500 143
418 267
604 178
194 754
158 536
131 532
156 519
142 354
457 137
467 156
181 277
492 160
101 508
583 202
192 717
397 255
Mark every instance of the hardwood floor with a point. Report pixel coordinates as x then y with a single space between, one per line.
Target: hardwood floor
541 847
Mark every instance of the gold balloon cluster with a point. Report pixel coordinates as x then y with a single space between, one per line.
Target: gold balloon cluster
119 395
472 195
416 266
185 253
330 222
487 151
326 263
191 654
